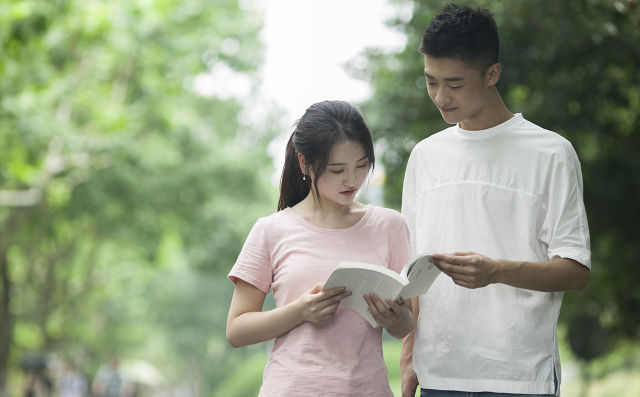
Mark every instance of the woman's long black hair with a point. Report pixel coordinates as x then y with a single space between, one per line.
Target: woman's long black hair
323 125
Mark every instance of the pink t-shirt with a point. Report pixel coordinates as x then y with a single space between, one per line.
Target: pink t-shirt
342 356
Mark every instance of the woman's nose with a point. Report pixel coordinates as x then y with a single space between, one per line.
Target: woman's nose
351 179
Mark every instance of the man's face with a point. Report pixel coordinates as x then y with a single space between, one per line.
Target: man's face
459 90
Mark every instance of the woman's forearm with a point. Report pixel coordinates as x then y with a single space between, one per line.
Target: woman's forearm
255 327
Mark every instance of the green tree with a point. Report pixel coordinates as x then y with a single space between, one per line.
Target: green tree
570 66
116 172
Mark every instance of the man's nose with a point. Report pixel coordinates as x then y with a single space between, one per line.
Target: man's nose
442 97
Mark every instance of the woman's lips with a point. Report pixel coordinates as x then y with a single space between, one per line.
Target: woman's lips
348 192
446 110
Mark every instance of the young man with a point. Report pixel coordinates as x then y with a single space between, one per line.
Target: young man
499 201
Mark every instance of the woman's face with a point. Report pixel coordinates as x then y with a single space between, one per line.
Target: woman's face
346 171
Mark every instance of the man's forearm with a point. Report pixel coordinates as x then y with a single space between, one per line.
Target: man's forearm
559 274
406 353
408 375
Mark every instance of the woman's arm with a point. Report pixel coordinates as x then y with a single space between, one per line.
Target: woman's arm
247 324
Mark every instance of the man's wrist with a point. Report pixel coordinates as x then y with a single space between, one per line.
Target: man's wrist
505 270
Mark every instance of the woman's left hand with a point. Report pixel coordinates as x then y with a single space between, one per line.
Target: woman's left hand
388 316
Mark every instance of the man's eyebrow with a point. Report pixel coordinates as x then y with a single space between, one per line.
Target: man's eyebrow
427 75
357 161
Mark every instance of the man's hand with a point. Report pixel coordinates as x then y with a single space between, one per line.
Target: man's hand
467 269
408 376
472 270
409 383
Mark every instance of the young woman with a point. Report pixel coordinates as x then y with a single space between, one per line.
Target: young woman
320 347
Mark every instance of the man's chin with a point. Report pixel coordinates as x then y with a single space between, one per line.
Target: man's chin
449 118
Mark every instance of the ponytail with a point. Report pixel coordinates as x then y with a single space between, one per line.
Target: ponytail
292 188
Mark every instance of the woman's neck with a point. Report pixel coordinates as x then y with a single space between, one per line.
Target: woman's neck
329 215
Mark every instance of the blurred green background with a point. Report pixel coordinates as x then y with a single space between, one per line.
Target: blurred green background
126 195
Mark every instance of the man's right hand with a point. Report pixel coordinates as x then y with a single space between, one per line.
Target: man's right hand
409 377
409 382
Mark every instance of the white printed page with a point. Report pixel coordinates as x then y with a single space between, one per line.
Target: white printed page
361 282
421 276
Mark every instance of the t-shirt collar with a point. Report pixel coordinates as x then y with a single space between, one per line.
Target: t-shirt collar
489 132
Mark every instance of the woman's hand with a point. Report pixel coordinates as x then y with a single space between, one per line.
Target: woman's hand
395 316
317 305
248 324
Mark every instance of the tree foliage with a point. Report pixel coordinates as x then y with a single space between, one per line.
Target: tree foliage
569 66
119 179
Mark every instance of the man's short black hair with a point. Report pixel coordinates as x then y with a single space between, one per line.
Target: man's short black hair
463 33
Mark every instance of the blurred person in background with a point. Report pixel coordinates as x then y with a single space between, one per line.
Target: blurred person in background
110 382
38 378
71 382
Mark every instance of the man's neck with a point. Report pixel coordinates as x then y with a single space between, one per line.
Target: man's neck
495 112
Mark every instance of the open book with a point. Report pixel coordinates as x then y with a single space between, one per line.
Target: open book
363 278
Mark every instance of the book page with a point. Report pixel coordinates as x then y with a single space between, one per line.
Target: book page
362 281
421 274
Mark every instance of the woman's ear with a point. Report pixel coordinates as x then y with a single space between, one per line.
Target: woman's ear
492 74
303 163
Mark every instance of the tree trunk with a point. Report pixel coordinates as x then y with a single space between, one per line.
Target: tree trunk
6 321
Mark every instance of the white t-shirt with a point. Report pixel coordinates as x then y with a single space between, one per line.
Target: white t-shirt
341 356
513 191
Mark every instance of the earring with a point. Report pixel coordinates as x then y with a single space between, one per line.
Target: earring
304 176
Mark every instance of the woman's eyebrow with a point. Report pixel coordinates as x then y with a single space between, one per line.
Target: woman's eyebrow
357 161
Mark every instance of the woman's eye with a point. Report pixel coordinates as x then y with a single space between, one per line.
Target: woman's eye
363 166
337 172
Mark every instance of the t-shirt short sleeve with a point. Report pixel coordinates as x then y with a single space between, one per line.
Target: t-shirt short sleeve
400 250
254 262
565 228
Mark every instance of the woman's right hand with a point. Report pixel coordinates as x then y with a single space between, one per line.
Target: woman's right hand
317 305
248 324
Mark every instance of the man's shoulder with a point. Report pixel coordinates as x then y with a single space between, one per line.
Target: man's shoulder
542 139
435 139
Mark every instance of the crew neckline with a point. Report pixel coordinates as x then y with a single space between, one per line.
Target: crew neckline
369 209
490 132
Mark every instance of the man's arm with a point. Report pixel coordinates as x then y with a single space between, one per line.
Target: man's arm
408 375
472 270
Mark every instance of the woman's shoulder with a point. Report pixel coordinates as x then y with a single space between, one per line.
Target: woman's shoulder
272 226
274 219
386 215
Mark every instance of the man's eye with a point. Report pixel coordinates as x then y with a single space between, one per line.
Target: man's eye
455 88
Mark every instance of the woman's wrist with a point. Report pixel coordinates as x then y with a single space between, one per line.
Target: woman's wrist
296 311
403 326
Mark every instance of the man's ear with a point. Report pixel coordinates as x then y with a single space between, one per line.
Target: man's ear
492 75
